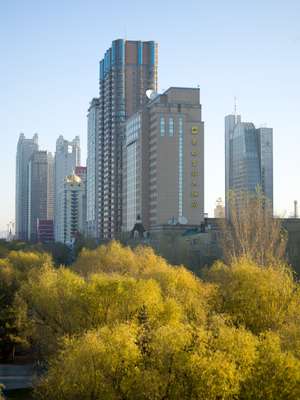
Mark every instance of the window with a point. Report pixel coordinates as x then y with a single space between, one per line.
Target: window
171 126
162 126
180 166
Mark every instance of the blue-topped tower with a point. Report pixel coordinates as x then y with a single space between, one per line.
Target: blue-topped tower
127 70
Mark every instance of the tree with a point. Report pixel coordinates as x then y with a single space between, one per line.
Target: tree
126 325
258 298
275 375
251 231
181 362
12 313
98 365
1 393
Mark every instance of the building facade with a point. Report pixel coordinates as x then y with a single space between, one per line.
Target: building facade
219 210
50 187
92 163
25 149
45 231
74 208
67 157
248 158
163 180
127 70
37 191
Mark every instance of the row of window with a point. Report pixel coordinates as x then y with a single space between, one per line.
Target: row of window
163 130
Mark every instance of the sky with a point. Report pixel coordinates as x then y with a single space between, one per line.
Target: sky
49 62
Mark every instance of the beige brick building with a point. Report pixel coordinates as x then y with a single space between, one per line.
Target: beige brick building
163 175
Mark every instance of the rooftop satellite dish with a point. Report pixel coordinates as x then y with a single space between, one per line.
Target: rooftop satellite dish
182 220
151 94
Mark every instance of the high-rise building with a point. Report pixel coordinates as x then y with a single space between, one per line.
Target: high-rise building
50 187
45 230
163 180
248 158
92 163
219 211
127 70
74 208
37 191
25 149
67 157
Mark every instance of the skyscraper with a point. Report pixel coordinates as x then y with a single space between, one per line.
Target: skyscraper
40 206
248 158
74 207
127 70
92 164
164 161
25 149
67 157
50 188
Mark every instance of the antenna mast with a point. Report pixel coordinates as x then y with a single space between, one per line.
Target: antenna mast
235 109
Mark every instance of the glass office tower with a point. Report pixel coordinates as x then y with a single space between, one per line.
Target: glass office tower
248 158
25 149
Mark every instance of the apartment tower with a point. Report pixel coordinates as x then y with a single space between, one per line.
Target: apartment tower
74 207
25 149
92 164
40 191
67 158
127 70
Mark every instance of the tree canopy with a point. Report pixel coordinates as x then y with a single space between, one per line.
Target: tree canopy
124 324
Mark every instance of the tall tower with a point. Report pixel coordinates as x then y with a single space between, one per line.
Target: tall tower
92 164
248 158
74 205
37 192
67 157
127 70
25 149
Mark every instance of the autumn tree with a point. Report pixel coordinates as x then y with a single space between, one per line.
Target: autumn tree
14 270
251 230
275 374
258 298
124 324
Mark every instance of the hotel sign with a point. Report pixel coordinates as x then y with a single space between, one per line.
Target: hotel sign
194 171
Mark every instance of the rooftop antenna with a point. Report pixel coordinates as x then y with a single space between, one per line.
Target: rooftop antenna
295 209
235 109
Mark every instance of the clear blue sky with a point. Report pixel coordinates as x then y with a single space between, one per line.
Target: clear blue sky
49 53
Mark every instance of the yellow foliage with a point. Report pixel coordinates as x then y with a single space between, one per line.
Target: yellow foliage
99 365
255 297
276 374
124 324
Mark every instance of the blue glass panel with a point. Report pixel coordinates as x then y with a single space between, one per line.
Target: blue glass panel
140 53
113 53
102 70
122 51
152 52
